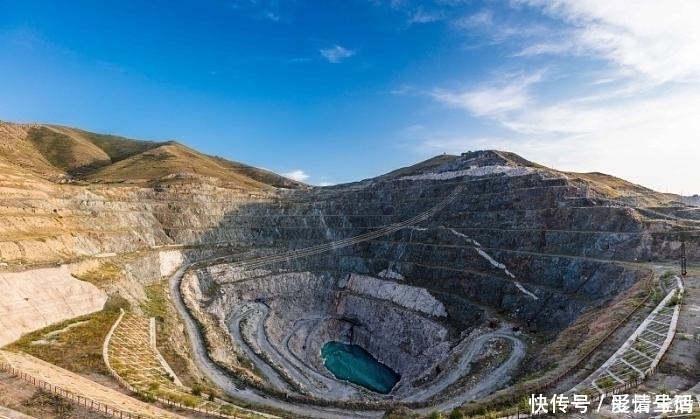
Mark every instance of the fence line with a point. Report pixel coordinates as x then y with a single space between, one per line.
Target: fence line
74 398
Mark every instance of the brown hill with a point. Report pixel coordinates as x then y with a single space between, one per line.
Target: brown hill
60 153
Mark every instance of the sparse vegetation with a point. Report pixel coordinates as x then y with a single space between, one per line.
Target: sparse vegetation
666 275
78 348
606 382
68 153
674 300
196 390
107 273
166 162
156 303
456 414
132 358
158 306
117 148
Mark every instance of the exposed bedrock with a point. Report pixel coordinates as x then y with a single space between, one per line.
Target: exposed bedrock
523 245
500 207
285 319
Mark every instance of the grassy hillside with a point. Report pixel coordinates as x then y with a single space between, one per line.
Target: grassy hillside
117 148
172 160
56 152
22 154
65 152
601 184
260 175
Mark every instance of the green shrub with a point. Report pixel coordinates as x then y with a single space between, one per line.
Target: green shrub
196 390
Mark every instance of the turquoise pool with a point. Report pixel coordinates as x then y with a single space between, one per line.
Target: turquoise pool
354 364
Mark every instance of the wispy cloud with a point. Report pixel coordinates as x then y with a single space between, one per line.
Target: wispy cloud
271 10
420 15
494 98
272 16
416 12
482 18
397 4
336 53
651 142
547 47
298 175
658 40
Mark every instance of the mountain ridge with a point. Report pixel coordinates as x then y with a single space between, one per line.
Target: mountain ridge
64 154
67 155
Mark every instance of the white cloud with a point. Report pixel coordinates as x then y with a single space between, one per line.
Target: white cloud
652 142
298 175
492 99
336 53
547 47
657 40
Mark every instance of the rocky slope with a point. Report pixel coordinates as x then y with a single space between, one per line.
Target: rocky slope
521 243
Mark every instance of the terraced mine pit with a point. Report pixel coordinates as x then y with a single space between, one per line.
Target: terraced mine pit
421 271
284 321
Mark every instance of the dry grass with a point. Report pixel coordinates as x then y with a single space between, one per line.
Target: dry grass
171 159
53 151
612 187
66 152
24 397
108 273
117 148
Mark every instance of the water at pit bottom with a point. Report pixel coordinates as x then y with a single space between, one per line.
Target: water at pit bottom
354 364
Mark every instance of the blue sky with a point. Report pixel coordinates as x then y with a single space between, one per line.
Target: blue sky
337 91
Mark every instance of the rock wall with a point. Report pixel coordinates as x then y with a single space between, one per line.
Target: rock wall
286 318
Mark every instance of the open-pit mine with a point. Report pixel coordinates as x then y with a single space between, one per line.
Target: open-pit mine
461 284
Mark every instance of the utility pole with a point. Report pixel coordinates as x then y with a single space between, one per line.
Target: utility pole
684 270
